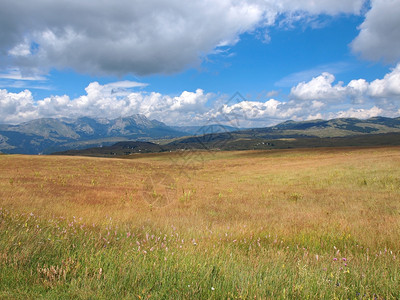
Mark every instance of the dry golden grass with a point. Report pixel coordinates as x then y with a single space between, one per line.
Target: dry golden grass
294 224
352 191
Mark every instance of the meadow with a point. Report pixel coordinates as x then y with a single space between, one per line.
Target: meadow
279 224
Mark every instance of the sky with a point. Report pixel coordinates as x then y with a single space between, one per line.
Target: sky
253 62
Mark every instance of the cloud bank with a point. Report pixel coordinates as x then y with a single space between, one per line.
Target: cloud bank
320 97
156 36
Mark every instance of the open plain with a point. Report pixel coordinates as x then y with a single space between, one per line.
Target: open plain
308 223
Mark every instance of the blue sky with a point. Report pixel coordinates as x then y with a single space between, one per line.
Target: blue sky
181 62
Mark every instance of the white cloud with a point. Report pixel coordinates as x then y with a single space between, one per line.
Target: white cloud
359 98
319 88
387 87
141 37
103 101
252 109
100 101
359 113
359 91
318 98
16 107
379 36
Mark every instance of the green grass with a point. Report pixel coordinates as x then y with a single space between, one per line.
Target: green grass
55 258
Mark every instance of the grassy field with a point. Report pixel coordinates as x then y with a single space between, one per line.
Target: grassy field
317 223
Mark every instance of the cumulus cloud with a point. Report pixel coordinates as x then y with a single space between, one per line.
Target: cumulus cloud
387 87
359 90
360 113
319 88
188 108
103 101
244 113
17 107
362 99
141 37
318 98
379 37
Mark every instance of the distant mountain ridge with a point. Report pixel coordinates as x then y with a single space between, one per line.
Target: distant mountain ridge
57 135
48 135
335 128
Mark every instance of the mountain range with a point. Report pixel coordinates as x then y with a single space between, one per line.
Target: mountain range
50 135
139 134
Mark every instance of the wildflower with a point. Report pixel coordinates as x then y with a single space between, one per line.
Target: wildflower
344 259
212 288
334 259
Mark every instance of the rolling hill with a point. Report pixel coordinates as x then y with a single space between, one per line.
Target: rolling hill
317 129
